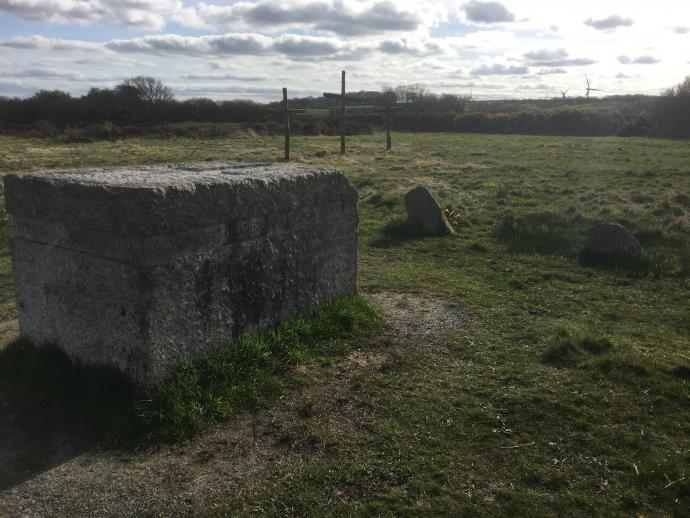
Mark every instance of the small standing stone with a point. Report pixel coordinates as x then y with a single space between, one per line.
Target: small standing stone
425 214
612 241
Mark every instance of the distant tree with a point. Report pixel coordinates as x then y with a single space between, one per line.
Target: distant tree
682 89
411 94
422 100
55 106
452 102
242 111
671 111
121 105
388 95
148 89
200 109
51 96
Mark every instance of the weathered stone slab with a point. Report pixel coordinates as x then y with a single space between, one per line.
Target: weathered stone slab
144 267
424 213
611 241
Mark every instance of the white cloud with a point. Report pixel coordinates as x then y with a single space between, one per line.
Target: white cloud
344 18
640 60
405 46
499 69
551 71
48 44
224 76
609 23
487 12
555 58
303 44
145 14
225 44
546 54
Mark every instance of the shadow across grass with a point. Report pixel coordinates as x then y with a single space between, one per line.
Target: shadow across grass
399 231
658 262
55 408
94 398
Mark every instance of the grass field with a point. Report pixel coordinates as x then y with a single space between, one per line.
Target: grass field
566 392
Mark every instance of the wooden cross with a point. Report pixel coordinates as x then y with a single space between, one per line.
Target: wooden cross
342 96
389 108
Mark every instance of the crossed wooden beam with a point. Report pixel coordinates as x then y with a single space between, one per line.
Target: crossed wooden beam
388 110
343 97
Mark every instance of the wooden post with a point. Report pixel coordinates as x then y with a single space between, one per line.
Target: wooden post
389 143
343 116
286 111
342 97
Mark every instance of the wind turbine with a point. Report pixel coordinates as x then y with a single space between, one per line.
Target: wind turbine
589 88
564 92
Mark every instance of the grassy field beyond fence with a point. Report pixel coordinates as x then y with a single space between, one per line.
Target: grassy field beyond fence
568 391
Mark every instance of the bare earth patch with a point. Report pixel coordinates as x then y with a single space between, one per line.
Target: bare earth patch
414 315
75 478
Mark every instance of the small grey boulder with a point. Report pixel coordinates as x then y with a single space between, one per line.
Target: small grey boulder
424 213
612 241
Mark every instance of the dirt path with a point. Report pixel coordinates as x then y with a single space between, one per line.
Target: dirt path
53 476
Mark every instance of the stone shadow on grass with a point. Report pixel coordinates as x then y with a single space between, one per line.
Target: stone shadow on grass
399 231
52 409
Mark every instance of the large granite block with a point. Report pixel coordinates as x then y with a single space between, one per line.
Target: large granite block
145 267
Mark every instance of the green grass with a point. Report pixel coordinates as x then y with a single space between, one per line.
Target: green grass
480 424
242 375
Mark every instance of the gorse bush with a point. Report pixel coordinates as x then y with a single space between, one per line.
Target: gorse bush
452 215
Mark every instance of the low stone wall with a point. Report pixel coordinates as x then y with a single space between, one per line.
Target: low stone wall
144 267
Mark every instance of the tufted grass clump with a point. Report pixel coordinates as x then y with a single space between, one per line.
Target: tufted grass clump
242 375
566 350
541 232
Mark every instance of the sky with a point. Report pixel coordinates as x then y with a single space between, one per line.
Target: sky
251 49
